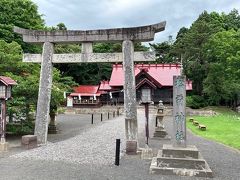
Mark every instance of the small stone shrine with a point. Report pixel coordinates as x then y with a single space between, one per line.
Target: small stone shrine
160 132
180 158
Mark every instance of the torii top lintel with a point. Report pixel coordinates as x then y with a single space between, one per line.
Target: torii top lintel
140 34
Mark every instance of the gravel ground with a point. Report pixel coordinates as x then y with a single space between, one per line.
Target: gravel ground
95 145
89 155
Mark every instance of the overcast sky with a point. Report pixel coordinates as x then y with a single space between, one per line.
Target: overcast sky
97 14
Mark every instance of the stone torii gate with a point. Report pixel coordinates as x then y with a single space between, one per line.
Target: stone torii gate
125 35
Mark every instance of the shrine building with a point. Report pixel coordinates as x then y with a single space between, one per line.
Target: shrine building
156 78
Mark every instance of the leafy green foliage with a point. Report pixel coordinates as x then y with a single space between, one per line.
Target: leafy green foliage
232 20
60 84
195 101
164 53
223 79
21 13
210 49
25 94
20 129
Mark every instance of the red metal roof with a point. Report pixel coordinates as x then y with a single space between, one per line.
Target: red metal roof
7 80
104 86
162 73
87 89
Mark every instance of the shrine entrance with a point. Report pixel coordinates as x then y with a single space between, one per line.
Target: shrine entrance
124 35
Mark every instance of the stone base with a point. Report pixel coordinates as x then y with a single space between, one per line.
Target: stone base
52 129
4 147
180 152
29 141
160 138
180 161
131 147
160 132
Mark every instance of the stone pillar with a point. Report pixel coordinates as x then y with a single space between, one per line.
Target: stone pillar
44 94
130 109
179 114
87 47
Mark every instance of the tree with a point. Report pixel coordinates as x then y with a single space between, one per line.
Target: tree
190 44
60 85
25 94
164 53
21 13
25 74
222 53
231 20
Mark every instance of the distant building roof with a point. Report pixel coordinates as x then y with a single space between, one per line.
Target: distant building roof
104 86
162 73
92 89
7 80
87 90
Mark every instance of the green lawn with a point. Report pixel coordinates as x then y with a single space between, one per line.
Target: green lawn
224 127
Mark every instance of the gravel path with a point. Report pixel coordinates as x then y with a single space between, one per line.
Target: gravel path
95 145
88 154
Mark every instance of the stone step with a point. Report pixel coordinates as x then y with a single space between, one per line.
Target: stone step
181 163
180 152
154 169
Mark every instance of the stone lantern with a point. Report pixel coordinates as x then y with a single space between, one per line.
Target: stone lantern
6 84
160 131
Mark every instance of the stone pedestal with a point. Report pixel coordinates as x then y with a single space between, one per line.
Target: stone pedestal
4 146
160 133
185 161
29 141
52 128
131 147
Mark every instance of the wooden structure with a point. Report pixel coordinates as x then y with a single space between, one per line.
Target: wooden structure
85 96
6 84
156 77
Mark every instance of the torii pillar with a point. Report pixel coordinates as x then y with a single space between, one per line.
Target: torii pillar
124 35
130 107
44 93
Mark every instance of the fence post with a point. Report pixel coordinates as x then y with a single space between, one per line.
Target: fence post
117 155
117 111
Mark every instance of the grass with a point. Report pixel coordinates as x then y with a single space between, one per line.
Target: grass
223 127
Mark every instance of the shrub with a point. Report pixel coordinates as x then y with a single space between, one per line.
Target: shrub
20 129
195 101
